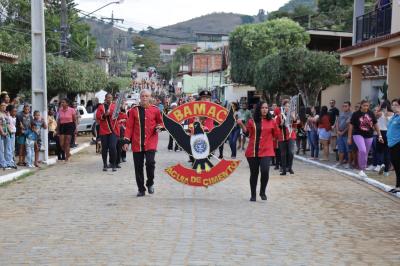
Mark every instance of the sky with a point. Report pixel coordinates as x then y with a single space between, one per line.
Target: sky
140 14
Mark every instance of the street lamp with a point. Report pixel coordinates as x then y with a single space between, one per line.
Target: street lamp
88 15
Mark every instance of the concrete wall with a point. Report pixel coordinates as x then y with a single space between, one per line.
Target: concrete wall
340 93
396 16
233 93
197 82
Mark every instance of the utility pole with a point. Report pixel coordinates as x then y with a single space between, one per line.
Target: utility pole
39 79
64 29
112 19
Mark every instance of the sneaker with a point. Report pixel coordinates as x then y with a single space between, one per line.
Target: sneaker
370 168
8 168
362 174
30 166
386 174
382 169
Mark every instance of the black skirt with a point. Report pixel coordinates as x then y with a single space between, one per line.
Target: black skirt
67 129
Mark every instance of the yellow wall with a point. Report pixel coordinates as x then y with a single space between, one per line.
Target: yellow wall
340 93
396 16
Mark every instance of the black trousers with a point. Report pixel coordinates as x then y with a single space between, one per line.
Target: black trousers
394 156
109 146
258 164
171 144
221 151
286 147
301 144
121 154
138 160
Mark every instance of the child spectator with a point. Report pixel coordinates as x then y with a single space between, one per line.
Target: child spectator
24 122
39 124
30 142
10 151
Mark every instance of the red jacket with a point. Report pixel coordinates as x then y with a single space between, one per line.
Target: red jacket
265 147
283 130
141 128
107 125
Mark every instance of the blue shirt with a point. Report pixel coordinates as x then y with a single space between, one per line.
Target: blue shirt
30 134
393 132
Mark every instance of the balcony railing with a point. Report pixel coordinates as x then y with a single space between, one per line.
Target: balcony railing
374 24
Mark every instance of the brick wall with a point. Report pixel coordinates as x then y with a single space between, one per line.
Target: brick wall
198 62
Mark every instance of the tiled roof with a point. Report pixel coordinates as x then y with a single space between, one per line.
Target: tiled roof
370 42
9 58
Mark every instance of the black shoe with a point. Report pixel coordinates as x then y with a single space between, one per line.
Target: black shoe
150 190
276 167
283 173
105 168
291 172
114 169
124 160
140 194
263 197
118 166
253 199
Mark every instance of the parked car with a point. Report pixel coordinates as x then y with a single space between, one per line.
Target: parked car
86 120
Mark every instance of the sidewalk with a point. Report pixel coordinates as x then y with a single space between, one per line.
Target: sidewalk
11 175
374 179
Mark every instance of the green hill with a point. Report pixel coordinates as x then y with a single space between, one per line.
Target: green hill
292 4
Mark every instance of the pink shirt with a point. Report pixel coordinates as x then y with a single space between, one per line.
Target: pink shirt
66 116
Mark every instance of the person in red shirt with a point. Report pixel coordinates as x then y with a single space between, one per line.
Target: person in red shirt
261 131
121 154
142 127
324 131
66 127
109 131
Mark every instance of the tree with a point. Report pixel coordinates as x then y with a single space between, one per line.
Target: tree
251 42
63 76
150 53
298 70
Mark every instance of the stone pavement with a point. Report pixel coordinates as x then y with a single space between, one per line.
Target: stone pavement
74 214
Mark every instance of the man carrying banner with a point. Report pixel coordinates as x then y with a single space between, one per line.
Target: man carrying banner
142 127
109 131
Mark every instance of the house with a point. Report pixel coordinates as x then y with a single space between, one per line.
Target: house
376 45
9 59
211 41
205 71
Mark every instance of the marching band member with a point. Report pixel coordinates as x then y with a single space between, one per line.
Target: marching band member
109 131
261 131
142 127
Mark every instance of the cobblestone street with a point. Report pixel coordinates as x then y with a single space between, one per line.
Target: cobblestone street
75 214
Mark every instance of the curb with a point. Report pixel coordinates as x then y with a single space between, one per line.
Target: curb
368 180
51 161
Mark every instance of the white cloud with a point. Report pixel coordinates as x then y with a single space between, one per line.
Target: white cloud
157 13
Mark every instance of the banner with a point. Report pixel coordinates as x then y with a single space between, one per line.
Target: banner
209 125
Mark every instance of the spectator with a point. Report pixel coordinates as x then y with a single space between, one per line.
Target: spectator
66 127
342 128
30 143
10 151
361 129
312 132
393 138
4 123
324 131
381 156
235 134
334 115
24 122
38 125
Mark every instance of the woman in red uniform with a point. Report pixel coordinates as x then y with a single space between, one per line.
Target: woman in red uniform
261 130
